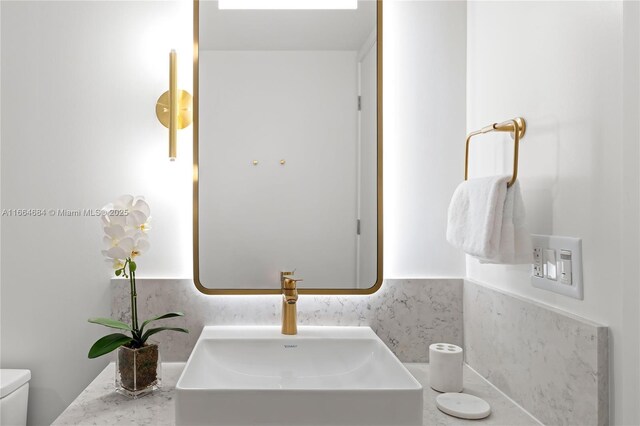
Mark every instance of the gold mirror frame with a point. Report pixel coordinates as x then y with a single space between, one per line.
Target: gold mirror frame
196 129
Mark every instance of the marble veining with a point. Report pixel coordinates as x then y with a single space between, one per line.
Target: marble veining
552 363
407 314
98 404
503 411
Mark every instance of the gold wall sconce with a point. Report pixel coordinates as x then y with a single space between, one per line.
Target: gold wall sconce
174 107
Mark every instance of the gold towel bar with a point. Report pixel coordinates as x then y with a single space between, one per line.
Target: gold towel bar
516 126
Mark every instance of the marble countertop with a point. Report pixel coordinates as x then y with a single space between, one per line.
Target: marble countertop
98 404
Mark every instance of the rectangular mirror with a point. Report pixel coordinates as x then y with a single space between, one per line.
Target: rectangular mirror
287 145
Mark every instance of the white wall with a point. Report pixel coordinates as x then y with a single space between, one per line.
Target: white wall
424 130
563 66
79 85
255 221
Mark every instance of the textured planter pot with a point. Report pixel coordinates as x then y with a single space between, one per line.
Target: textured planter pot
138 371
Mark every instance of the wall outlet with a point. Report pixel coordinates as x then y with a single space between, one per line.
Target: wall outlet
537 262
557 265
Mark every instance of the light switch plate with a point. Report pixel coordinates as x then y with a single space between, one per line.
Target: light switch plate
542 243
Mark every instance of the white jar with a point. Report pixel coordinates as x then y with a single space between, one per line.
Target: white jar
445 367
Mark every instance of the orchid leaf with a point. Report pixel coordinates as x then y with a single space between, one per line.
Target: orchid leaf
108 343
168 315
108 322
153 331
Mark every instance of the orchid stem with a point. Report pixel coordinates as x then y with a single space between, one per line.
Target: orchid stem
134 298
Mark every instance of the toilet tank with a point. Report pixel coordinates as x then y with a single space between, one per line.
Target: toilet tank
14 395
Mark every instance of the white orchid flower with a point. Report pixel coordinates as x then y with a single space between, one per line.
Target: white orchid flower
144 228
115 263
113 234
112 219
134 247
125 234
141 205
137 209
141 246
115 254
118 264
136 218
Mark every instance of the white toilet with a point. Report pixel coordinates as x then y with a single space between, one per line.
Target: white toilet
14 395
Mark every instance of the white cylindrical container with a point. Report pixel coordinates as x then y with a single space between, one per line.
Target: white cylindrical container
445 367
14 395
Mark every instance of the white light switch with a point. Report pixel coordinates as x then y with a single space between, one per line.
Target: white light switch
557 265
565 267
550 264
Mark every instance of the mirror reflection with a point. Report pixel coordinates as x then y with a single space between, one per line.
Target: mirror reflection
287 145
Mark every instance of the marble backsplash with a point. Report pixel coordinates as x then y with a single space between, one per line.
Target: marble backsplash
407 314
552 363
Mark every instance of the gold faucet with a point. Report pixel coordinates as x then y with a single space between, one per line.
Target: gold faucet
289 299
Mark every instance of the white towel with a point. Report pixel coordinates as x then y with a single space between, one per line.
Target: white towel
487 220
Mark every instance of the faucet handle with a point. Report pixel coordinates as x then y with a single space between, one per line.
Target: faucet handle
289 283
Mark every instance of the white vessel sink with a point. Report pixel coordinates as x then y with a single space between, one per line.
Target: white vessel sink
322 376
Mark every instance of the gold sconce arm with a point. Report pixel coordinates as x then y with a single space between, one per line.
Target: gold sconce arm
174 107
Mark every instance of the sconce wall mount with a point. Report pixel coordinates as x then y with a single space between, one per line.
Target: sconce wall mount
174 107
